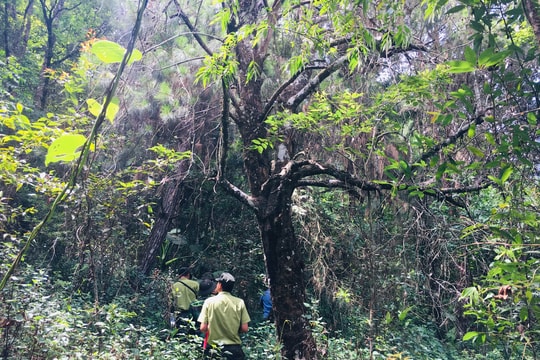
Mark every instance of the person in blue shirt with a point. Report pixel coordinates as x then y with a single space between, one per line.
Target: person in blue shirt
266 303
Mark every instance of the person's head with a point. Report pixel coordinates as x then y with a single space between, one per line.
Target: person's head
184 272
207 276
206 287
225 282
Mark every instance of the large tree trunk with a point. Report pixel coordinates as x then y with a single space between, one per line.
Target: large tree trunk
271 195
284 262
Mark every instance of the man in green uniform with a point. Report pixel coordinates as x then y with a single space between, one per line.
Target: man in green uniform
184 292
224 317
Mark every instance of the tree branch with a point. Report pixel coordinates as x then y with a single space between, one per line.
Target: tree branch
270 103
298 171
240 195
452 139
191 28
314 82
224 131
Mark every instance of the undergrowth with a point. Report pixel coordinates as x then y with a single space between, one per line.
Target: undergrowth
45 319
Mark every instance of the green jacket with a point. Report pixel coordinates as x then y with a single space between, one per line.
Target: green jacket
182 295
224 314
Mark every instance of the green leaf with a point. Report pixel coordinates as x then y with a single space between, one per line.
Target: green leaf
471 293
531 118
472 131
455 9
388 318
471 335
494 179
490 138
95 108
490 58
476 152
65 148
506 174
475 25
441 170
523 314
21 121
110 52
457 66
403 314
112 109
470 56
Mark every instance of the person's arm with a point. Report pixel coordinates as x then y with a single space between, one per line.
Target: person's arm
203 318
243 327
204 327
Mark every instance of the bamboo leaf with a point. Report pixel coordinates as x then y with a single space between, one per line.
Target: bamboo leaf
458 66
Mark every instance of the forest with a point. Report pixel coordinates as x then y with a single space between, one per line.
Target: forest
376 164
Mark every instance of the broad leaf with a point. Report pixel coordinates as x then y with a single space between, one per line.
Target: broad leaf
506 174
65 148
110 52
95 108
470 56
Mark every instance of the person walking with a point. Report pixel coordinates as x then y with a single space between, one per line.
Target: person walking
184 292
223 317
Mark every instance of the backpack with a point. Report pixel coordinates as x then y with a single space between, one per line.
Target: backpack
195 308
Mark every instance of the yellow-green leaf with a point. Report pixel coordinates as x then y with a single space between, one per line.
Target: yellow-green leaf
112 109
110 52
65 148
506 174
476 151
470 335
95 108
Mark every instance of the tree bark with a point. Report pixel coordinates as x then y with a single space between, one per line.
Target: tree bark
170 203
16 28
531 9
270 195
285 268
6 9
50 15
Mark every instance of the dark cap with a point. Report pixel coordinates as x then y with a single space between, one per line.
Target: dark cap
184 271
206 287
225 277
